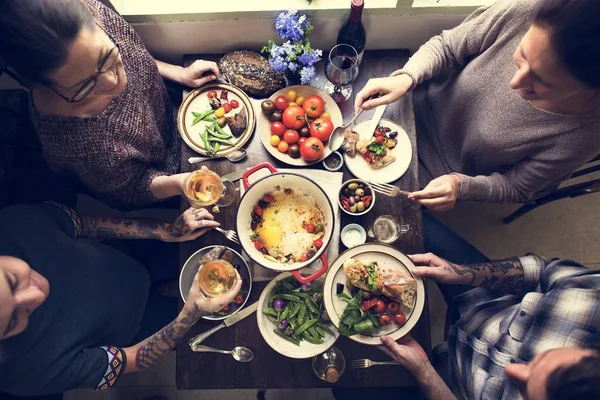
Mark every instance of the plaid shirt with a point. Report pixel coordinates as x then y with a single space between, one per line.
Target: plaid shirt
558 308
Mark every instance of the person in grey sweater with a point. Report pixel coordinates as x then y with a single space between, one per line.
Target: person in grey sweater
490 131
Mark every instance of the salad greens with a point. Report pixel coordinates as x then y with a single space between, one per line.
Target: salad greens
354 320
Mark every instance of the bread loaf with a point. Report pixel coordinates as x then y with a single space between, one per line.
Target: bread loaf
251 72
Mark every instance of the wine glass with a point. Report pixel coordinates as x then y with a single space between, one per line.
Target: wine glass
341 70
204 187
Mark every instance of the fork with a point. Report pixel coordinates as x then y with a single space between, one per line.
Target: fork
230 234
387 189
366 363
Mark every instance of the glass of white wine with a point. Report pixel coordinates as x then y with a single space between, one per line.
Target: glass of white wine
204 187
216 277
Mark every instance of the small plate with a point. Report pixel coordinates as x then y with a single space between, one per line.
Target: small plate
190 268
387 257
197 101
264 125
280 345
389 173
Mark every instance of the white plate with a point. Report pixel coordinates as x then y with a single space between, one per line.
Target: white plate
280 345
389 173
386 257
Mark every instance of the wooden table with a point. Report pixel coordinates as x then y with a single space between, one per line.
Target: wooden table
269 369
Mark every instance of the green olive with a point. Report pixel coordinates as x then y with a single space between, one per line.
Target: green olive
353 208
353 186
360 206
359 192
319 228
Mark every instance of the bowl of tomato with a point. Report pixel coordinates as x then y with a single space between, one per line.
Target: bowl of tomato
296 123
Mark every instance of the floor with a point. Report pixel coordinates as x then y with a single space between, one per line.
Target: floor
568 228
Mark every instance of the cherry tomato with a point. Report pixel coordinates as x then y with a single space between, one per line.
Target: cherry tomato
258 245
304 257
300 100
393 307
268 198
283 146
368 304
385 320
274 140
301 140
234 103
310 228
379 139
227 107
291 95
400 318
277 128
326 115
312 149
321 128
220 112
318 243
291 136
258 211
211 94
238 299
379 306
281 103
313 106
293 117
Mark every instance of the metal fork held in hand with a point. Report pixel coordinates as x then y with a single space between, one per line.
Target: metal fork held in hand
387 189
230 234
366 363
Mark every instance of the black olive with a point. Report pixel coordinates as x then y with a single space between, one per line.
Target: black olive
387 129
253 225
347 192
264 250
339 288
357 198
361 185
310 254
257 218
393 134
262 204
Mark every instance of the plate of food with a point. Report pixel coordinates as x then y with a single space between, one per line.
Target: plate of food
370 292
295 124
216 119
382 156
188 274
291 317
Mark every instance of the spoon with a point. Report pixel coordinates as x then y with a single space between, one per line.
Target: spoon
337 136
234 156
239 353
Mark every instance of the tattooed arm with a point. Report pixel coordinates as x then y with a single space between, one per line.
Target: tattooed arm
150 351
188 226
505 276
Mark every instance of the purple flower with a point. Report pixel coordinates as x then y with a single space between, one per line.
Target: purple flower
310 57
278 64
277 51
289 26
307 74
293 66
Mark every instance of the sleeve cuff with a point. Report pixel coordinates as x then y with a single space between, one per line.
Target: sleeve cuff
117 361
532 271
464 186
72 214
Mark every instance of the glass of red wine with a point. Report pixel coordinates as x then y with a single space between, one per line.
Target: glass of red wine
341 70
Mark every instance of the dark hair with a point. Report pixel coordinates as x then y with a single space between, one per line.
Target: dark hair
580 381
574 27
35 35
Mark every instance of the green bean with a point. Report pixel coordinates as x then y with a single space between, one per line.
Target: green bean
326 329
307 325
311 339
285 296
312 306
220 133
320 331
285 313
270 311
293 323
302 315
286 337
218 140
288 285
206 113
295 310
216 147
313 331
204 137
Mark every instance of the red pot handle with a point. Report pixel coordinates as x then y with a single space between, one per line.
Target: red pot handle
310 278
253 170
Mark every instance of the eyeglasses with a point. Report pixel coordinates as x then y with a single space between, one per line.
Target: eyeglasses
105 65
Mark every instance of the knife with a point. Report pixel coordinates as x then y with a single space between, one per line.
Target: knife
375 121
235 175
226 323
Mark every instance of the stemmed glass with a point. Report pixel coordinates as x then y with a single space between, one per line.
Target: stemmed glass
341 70
204 187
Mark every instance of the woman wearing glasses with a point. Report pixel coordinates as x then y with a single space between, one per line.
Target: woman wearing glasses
98 101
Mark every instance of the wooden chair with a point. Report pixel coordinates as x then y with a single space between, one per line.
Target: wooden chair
572 191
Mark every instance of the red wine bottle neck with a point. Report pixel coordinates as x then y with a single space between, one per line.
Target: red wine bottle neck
356 10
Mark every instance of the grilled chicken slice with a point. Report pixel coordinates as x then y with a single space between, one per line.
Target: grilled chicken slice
237 124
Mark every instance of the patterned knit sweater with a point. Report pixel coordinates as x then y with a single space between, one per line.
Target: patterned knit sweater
118 153
471 122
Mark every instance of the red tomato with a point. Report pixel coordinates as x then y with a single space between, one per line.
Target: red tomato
258 245
368 304
293 117
313 106
234 103
227 107
291 136
268 198
312 149
301 140
379 139
393 307
321 128
385 320
258 211
304 257
281 103
277 128
310 228
318 243
225 307
400 318
211 94
238 299
379 306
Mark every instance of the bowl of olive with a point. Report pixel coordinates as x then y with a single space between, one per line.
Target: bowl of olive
356 197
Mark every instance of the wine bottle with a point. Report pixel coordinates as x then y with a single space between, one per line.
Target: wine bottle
353 31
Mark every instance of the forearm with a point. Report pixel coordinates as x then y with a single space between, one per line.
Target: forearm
505 276
432 385
166 186
148 352
169 71
122 228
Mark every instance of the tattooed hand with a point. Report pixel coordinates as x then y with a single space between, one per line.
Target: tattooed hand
193 223
197 299
503 275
